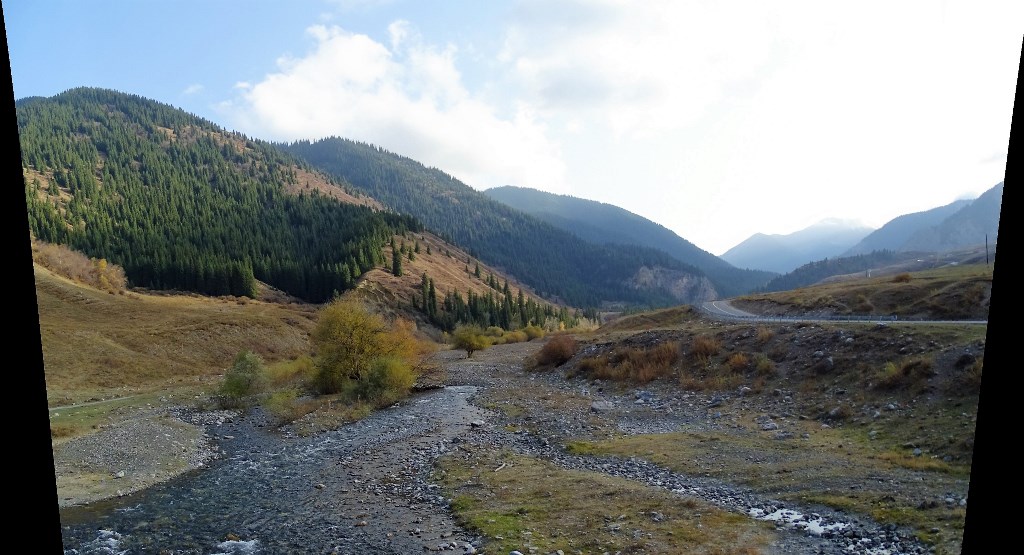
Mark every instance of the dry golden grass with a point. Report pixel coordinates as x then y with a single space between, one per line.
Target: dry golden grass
738 362
705 346
959 291
99 346
764 334
632 364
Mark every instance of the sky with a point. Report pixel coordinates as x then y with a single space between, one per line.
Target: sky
717 120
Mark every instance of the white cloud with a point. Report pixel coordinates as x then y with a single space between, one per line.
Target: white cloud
768 117
716 120
407 97
192 89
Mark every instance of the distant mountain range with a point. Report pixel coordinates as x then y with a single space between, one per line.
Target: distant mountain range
964 223
958 225
785 253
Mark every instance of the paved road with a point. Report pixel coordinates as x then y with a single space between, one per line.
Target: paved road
724 310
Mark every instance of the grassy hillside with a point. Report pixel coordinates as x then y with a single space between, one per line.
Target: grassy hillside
100 345
557 264
952 291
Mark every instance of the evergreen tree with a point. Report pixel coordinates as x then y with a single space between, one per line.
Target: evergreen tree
396 263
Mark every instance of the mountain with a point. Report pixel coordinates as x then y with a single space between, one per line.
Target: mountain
603 223
971 225
557 264
181 203
784 253
894 234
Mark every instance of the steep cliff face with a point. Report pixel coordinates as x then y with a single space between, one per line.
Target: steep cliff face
684 287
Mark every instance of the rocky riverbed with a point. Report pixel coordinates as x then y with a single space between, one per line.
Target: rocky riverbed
176 481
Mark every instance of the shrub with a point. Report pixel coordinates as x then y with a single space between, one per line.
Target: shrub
596 367
388 380
863 305
557 351
737 362
533 332
349 338
664 354
908 373
282 404
518 336
705 346
470 338
245 379
764 365
74 265
296 372
764 334
901 278
631 364
494 331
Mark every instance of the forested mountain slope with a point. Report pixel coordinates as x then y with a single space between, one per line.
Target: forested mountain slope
181 203
605 223
557 264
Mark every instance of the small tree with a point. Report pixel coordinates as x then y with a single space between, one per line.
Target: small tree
245 379
470 338
348 338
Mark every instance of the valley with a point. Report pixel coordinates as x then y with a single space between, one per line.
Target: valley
698 456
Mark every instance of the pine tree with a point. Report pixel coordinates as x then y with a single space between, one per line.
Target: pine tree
396 263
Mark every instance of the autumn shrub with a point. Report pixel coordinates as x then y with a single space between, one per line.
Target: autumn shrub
282 404
705 346
297 372
74 265
901 278
494 331
595 368
712 377
664 354
349 339
863 305
633 364
470 338
737 362
534 332
764 334
517 336
556 351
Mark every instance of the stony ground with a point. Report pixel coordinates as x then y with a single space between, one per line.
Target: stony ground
384 487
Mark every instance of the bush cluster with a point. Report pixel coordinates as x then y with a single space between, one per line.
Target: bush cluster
557 351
